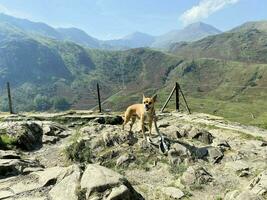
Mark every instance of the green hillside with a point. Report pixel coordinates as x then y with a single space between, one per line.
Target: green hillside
247 43
47 74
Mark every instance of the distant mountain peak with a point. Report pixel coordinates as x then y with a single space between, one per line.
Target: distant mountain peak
202 26
259 25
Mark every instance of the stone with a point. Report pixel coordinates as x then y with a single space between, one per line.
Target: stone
195 174
231 195
238 166
247 195
5 194
173 157
201 135
183 131
13 167
222 144
215 155
259 184
97 179
67 187
173 192
178 153
50 139
8 154
200 153
125 159
50 176
28 135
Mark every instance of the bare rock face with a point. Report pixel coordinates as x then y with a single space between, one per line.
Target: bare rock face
105 183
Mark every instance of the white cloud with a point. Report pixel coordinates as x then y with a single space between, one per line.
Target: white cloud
204 9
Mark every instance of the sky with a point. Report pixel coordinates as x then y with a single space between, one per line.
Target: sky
111 19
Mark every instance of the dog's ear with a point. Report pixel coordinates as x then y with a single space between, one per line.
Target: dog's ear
143 97
154 97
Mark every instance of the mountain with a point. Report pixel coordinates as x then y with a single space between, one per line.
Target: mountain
30 27
259 25
134 40
190 33
78 36
247 43
215 74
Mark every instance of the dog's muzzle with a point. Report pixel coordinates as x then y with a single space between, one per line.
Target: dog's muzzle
147 107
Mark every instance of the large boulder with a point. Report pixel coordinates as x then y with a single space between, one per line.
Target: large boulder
27 135
102 182
66 188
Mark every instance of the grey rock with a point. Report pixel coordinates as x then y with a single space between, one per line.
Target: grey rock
215 155
50 139
201 135
173 192
97 179
259 184
8 155
247 195
67 187
13 167
125 159
195 175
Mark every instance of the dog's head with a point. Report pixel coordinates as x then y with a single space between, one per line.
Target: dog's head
149 102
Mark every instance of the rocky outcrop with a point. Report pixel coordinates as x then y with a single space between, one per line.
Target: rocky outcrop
11 164
103 183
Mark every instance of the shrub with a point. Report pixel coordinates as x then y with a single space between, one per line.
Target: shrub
42 103
61 103
79 152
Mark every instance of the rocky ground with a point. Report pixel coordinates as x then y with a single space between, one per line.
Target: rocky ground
82 155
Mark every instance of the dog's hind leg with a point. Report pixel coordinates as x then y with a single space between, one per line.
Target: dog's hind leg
132 122
126 120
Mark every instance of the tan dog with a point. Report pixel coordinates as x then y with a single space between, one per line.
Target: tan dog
144 111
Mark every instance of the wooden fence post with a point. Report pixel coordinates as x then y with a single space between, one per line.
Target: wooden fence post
184 99
177 96
98 97
167 101
9 98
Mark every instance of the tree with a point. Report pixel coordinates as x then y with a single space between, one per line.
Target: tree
42 103
61 103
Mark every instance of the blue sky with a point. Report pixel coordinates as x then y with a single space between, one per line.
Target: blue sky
107 19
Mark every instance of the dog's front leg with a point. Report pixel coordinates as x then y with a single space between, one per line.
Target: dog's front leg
142 121
150 127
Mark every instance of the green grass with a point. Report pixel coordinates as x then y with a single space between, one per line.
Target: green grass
7 142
